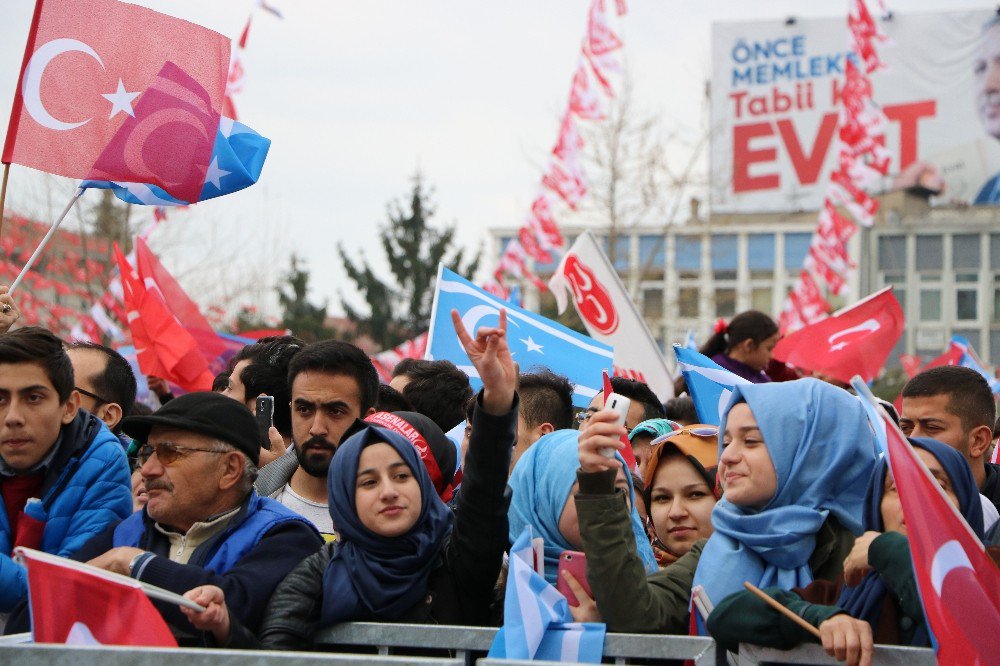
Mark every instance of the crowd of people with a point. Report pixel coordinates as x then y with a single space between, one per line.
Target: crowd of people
357 506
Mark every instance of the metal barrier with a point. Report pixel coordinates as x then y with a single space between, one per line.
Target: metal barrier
103 655
469 642
810 653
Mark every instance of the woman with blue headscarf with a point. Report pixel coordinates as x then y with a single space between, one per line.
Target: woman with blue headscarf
544 483
878 587
794 462
401 554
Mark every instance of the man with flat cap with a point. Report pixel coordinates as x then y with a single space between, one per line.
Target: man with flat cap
203 523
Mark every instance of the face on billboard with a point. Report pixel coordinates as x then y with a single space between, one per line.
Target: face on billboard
987 71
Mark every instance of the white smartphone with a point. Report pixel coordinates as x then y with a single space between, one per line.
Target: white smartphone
618 404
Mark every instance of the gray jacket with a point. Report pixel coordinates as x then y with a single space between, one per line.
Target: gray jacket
274 475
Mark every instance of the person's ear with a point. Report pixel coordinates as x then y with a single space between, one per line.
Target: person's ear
233 473
543 429
112 414
70 407
371 410
979 441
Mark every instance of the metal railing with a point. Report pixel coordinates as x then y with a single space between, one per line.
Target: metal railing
810 653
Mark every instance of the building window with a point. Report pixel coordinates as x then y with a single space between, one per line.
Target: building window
725 256
503 244
930 253
619 254
966 308
995 252
760 255
796 249
687 256
972 336
687 302
652 304
930 305
965 252
725 302
652 254
892 253
761 299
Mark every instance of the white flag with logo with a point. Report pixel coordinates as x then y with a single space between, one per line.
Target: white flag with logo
585 274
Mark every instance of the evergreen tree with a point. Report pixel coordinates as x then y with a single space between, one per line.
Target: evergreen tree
299 315
399 308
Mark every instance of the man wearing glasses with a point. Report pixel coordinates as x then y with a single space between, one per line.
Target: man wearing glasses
63 475
105 382
203 524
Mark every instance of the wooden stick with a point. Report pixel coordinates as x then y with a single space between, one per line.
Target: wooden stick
776 605
3 192
44 242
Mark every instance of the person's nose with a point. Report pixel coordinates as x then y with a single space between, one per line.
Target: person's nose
318 427
151 469
992 78
388 492
13 418
730 454
678 509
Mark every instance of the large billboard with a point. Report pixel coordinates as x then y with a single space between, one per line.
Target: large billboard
775 89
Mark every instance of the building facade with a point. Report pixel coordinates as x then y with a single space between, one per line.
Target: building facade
943 263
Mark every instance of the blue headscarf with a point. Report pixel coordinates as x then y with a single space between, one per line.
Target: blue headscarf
372 577
541 483
823 451
864 601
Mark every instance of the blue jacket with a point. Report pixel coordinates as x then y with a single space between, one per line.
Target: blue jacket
87 487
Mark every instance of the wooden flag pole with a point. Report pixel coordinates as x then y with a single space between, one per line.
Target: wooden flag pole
45 241
776 605
3 192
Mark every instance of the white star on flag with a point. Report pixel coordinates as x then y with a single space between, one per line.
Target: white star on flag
121 100
214 174
532 345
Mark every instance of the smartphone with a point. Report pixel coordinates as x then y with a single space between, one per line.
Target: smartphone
575 563
265 418
618 404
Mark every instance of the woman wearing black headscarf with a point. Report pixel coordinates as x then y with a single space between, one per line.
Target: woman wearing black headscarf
401 554
879 586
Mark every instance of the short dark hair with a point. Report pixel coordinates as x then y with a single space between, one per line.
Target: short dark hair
969 394
681 410
117 382
546 398
391 400
221 381
749 325
635 390
338 358
437 389
268 374
34 344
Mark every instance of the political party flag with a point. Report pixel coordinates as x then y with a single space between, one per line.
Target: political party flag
537 623
75 108
959 584
708 383
603 303
386 361
853 341
71 602
236 163
534 340
163 346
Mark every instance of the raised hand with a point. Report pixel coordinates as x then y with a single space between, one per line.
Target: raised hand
490 354
600 433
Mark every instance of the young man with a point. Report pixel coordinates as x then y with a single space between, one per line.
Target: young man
63 475
436 389
955 406
332 384
105 382
644 403
546 406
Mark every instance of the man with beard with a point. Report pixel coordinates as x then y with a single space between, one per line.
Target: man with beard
332 384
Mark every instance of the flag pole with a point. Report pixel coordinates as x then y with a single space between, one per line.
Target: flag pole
3 192
45 241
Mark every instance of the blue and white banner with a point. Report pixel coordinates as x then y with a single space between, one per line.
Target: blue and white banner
534 340
537 623
708 383
971 360
237 161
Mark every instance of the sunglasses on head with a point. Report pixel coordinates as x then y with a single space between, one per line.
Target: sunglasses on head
708 432
168 453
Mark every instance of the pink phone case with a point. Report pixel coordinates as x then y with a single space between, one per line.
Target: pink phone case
575 563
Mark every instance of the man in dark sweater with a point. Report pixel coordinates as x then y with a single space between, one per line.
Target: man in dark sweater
203 523
955 406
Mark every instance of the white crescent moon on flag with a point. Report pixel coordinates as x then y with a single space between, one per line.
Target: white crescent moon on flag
140 134
31 87
949 557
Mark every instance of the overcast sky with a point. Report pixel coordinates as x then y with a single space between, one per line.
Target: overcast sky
356 96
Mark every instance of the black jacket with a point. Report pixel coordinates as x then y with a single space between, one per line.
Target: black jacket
460 589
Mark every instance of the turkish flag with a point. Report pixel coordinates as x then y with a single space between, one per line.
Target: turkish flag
163 347
958 582
853 341
88 68
77 604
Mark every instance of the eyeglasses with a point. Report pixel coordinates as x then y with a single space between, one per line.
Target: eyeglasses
584 416
99 399
708 432
168 452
